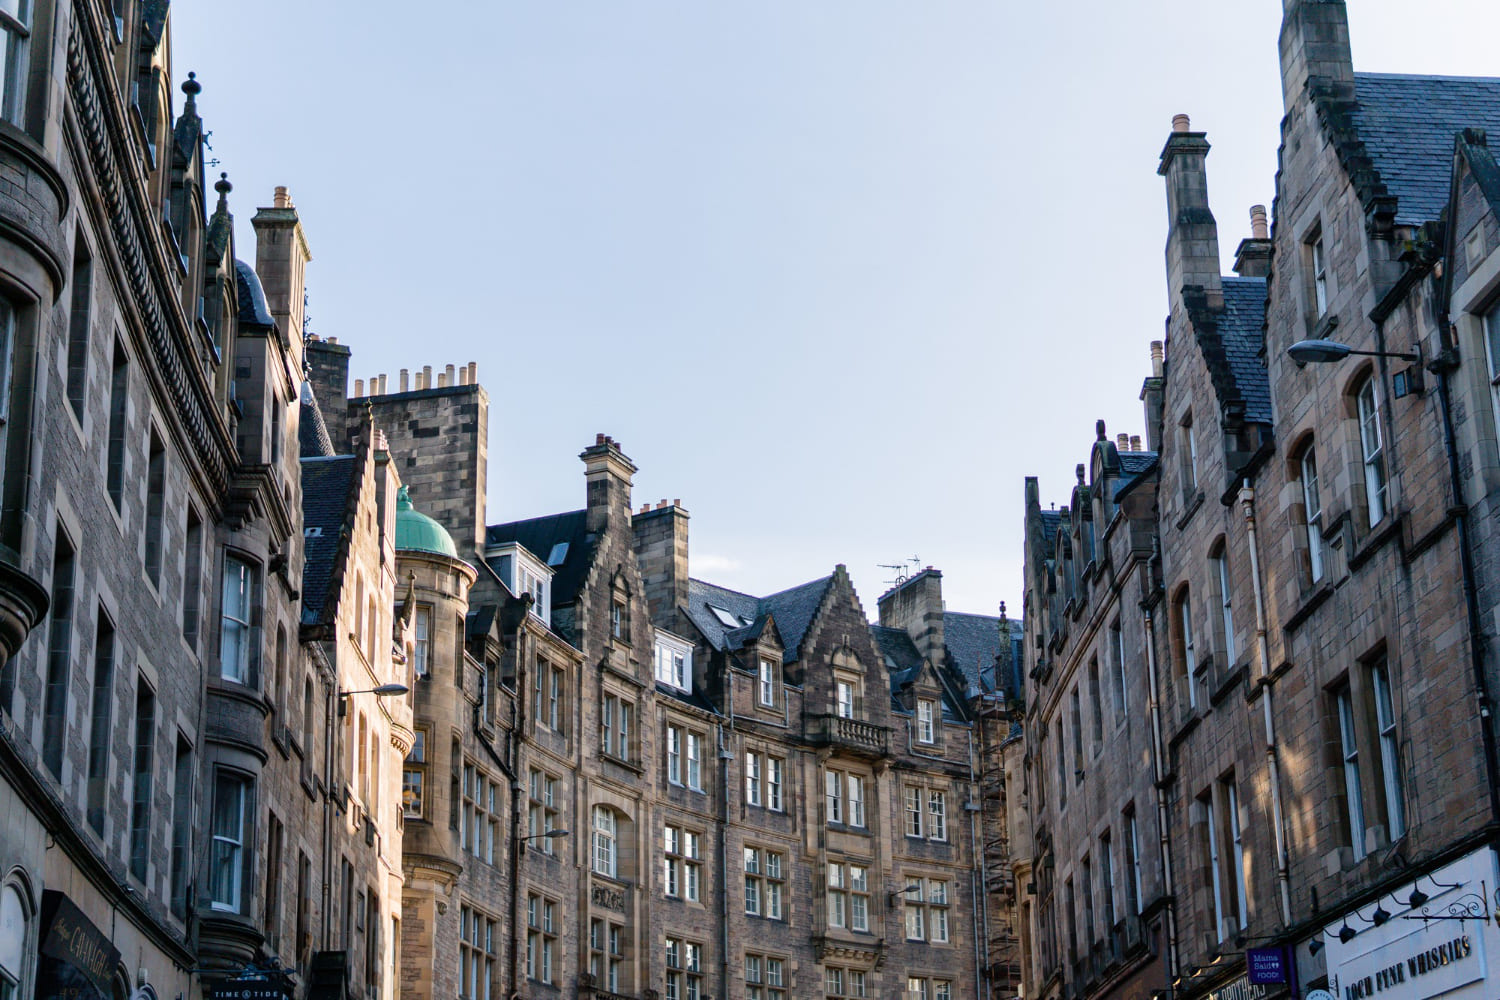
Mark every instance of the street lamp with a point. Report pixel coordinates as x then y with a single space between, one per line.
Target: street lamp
1316 352
549 835
384 691
890 897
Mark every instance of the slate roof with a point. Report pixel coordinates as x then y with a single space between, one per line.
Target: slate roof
902 661
253 309
326 482
1242 332
1407 125
1134 467
312 431
792 609
973 641
539 534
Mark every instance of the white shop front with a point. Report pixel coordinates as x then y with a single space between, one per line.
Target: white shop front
1431 937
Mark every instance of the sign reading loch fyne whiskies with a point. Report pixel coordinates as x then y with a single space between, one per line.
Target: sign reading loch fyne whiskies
1413 967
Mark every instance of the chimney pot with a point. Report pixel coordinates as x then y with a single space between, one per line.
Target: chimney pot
1157 358
1258 228
427 376
1135 442
1181 123
676 502
282 199
382 385
359 387
1122 442
661 505
333 340
405 380
473 372
599 439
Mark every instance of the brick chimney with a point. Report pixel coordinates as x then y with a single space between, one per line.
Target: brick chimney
1192 234
281 258
607 472
661 551
1252 259
917 607
1314 46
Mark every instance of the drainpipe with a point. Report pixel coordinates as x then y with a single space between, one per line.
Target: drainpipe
1273 758
1163 839
517 845
725 756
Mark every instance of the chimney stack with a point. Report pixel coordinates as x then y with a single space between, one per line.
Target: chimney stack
281 259
607 474
1314 46
661 553
917 607
1151 396
1252 259
1192 233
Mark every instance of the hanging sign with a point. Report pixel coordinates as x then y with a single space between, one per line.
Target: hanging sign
1267 965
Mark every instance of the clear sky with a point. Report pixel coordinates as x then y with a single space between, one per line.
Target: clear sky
837 273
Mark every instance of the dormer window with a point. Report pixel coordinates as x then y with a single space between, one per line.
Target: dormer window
674 662
728 618
766 684
526 576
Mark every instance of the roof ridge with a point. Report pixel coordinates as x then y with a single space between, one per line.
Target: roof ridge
1370 75
539 517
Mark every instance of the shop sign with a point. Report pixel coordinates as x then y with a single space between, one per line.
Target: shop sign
75 960
1266 965
1413 966
252 984
1239 989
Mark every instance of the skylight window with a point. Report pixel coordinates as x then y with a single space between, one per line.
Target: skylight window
558 554
726 617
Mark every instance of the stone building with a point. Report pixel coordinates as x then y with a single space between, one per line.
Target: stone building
1316 588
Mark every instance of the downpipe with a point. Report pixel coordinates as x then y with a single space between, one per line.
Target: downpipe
1163 837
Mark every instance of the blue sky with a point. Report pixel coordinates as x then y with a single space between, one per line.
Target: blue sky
837 274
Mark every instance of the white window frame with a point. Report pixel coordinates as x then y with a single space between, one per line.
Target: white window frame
1354 802
1489 332
1372 452
912 806
926 728
1319 276
752 778
1312 505
237 631
1226 601
229 840
775 779
937 814
1390 751
606 833
766 684
16 32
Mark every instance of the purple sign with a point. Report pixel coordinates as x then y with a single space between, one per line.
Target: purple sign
1266 965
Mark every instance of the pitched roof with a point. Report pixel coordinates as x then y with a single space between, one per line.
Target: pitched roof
792 609
312 431
1242 332
973 642
1407 125
326 483
539 535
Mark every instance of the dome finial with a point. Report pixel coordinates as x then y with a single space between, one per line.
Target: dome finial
191 87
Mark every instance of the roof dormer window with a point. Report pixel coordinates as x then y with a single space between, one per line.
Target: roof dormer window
728 618
674 661
526 575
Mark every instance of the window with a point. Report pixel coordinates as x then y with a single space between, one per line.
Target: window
1096 708
478 948
617 620
270 897
182 824
422 627
844 694
846 798
913 812
765 978
227 864
555 715
684 970
752 779
1133 863
143 769
927 913
13 940
79 320
1229 802
1117 665
765 881
766 684
1393 794
1319 275
372 629
673 666
480 816
614 727
303 946
1187 658
606 953
156 488
192 577
1354 807
919 988
605 832
692 744
414 778
119 388
937 815
1492 353
59 655
1076 719
1107 878
541 810
541 937
1086 874
682 863
309 720
1312 506
842 983
1372 448
1220 576
236 629
674 755
1187 445
1062 765
926 724
372 942
100 719
15 25
849 896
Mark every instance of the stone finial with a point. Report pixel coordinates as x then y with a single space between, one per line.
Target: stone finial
1158 355
1181 123
1259 230
191 87
1099 433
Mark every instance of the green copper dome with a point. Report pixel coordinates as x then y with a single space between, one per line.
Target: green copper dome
416 532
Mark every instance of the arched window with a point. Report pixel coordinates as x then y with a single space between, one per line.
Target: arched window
1372 450
14 924
1186 656
606 831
